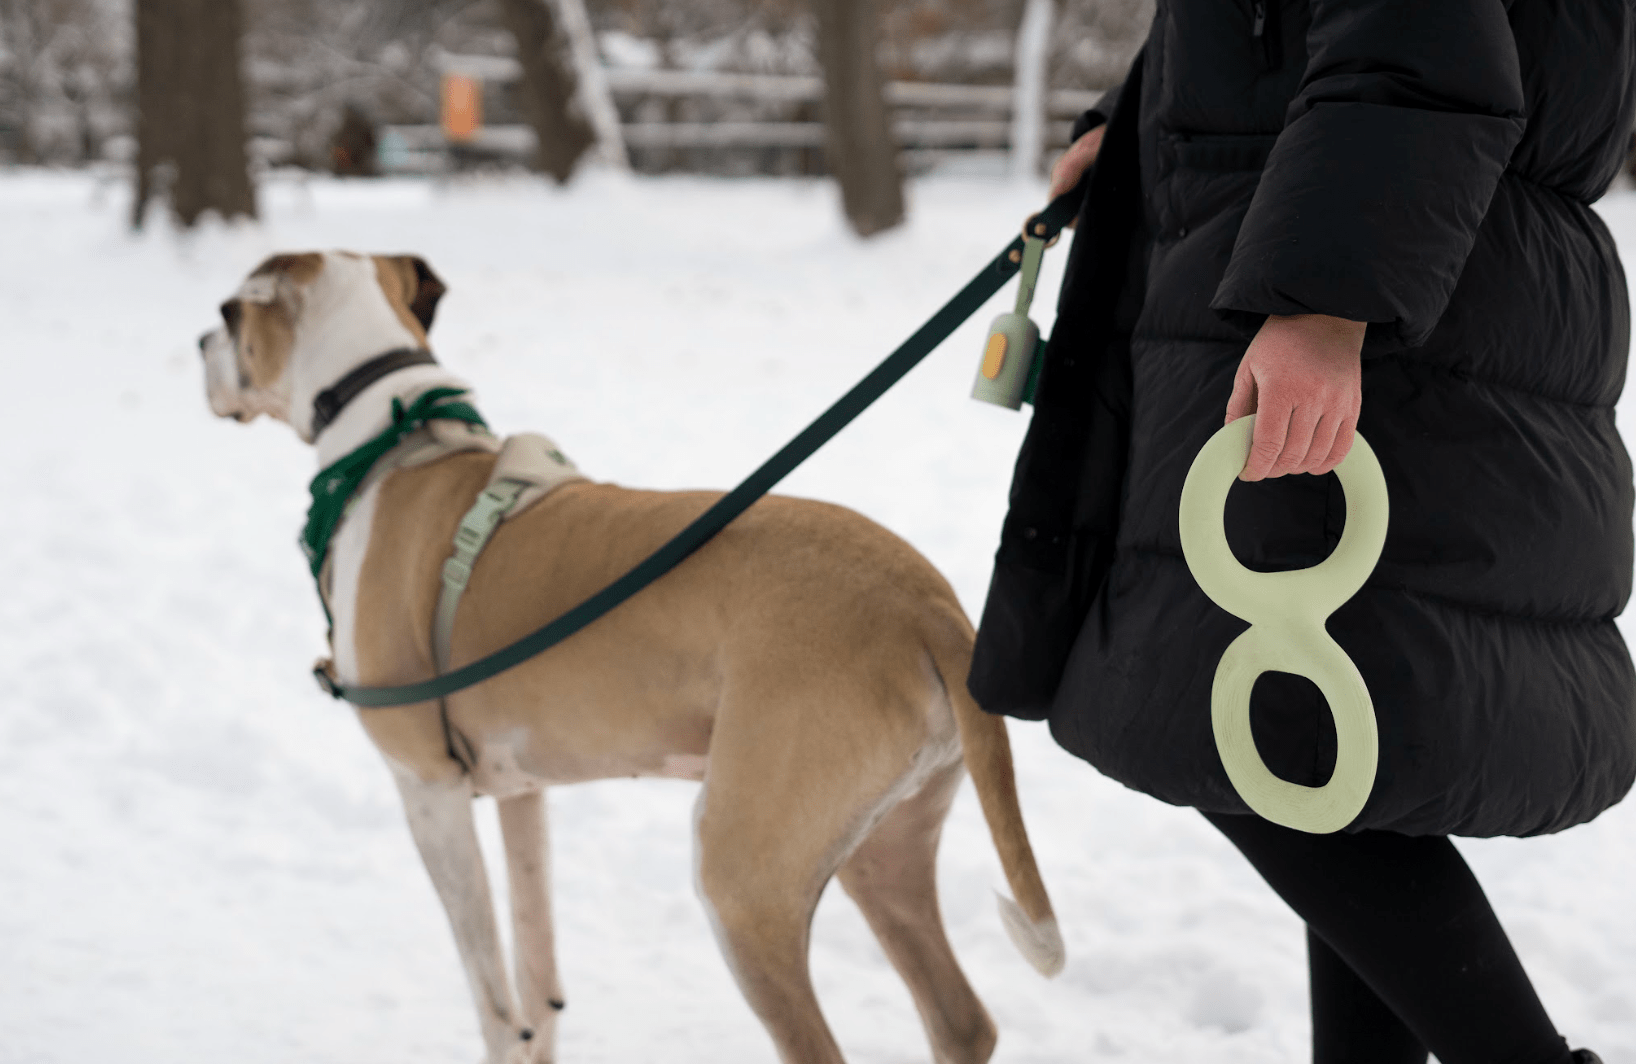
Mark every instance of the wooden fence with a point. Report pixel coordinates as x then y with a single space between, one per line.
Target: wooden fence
930 120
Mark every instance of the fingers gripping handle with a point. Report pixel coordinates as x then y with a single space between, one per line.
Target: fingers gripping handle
1309 595
1286 612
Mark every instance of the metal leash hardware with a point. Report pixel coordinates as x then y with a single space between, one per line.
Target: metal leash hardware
1286 611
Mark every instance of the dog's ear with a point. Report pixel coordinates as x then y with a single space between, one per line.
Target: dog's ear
422 287
298 268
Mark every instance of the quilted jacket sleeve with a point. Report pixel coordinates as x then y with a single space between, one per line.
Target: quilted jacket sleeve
1407 115
1098 115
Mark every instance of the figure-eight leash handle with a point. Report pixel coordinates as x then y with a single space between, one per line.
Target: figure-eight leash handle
1286 612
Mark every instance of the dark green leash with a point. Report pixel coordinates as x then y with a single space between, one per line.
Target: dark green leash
909 354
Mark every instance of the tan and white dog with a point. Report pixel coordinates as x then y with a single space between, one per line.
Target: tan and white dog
807 666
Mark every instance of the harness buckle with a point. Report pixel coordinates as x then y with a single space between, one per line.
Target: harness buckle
326 680
456 574
484 517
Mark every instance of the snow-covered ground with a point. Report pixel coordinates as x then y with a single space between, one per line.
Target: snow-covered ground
202 859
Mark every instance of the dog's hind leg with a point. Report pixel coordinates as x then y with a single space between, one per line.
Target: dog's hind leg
892 876
440 819
760 905
528 866
792 786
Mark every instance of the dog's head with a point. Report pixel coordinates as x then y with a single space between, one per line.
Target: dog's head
301 322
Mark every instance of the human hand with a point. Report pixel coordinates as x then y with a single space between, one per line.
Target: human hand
1302 377
1070 167
1072 164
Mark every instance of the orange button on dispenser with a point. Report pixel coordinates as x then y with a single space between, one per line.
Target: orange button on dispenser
994 356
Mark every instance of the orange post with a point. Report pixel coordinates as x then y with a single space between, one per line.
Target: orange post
462 107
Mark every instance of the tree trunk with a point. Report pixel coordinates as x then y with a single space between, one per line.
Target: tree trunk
1028 101
190 109
561 130
22 32
858 141
595 98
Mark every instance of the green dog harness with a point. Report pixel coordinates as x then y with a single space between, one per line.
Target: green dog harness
527 466
334 486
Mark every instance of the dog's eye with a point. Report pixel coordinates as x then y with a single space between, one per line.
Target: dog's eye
232 311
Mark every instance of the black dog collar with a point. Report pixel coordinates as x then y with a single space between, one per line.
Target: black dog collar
329 403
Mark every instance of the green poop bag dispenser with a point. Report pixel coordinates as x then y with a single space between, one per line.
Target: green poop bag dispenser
1006 375
1286 611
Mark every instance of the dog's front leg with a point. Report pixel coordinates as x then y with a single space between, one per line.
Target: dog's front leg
440 819
528 866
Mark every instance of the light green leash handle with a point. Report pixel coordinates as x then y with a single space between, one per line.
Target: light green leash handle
1286 612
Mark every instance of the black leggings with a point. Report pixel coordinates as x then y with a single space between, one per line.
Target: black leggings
1406 954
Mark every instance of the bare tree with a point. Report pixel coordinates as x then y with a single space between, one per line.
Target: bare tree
311 60
858 141
562 133
595 99
26 29
60 68
190 109
1094 41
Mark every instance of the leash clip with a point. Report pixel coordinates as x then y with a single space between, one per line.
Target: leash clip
326 680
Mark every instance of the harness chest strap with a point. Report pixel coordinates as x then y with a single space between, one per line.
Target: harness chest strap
527 467
336 484
435 439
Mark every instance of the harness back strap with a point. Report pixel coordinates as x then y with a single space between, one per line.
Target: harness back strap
469 540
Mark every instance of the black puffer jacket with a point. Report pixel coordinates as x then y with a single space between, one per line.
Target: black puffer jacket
1426 167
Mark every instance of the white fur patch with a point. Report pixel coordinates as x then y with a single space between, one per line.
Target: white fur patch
262 289
221 364
499 771
684 766
347 551
1040 944
345 319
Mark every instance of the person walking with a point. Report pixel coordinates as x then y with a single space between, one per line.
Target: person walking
1371 216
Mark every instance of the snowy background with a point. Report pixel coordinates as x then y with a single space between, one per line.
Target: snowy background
202 858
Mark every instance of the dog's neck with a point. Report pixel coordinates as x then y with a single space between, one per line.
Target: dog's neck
370 411
346 320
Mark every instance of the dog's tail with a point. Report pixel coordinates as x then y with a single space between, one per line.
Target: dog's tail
1029 920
